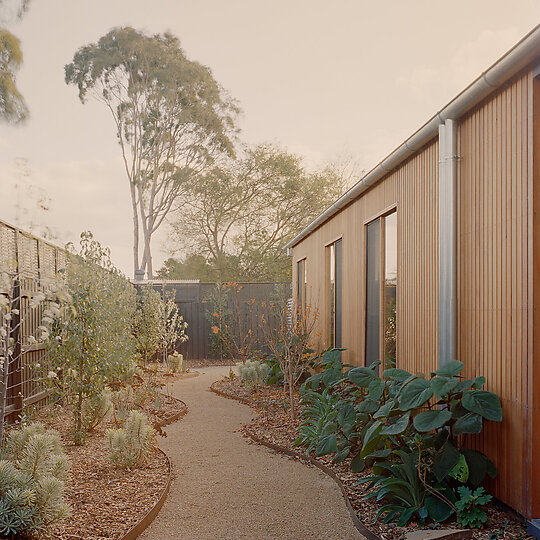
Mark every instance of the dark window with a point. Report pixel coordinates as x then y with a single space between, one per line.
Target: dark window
336 293
381 253
373 291
301 279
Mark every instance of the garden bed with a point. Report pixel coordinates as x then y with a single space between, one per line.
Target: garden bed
210 362
273 424
106 501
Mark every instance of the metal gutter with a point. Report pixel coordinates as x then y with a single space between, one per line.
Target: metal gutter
517 58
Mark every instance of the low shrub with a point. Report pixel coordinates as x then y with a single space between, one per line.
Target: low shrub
131 444
469 506
97 410
33 469
124 401
253 373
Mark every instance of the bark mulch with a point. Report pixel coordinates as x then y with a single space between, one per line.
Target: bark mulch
106 501
273 424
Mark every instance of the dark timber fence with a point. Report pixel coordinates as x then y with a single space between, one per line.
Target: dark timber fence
35 260
195 305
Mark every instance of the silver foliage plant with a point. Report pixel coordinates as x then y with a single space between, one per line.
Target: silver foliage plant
33 469
253 373
132 444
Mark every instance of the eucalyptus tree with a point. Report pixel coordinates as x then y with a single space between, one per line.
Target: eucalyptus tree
172 120
13 108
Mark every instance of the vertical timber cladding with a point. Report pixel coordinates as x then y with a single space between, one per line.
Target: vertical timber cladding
494 282
413 190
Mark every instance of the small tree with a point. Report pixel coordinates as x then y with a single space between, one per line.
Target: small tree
233 321
146 322
158 326
289 332
172 327
93 344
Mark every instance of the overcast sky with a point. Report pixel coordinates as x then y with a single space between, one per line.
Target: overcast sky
321 78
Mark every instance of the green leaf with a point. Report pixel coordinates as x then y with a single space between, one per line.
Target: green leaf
327 445
368 406
371 432
479 382
406 516
346 415
376 389
341 454
484 403
331 375
385 409
358 464
450 369
479 465
379 454
464 385
332 356
457 410
468 423
443 385
461 470
437 509
361 376
430 420
445 461
415 394
396 374
398 427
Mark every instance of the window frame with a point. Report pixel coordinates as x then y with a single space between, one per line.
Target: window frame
381 218
301 278
332 318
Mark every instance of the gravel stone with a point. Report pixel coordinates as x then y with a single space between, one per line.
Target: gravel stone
225 488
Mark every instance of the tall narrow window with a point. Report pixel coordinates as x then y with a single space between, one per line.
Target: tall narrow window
301 280
390 285
373 291
336 292
381 288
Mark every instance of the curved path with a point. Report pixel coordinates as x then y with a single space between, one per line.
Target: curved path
225 488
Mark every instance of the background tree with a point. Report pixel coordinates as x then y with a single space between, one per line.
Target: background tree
172 120
194 266
13 108
241 214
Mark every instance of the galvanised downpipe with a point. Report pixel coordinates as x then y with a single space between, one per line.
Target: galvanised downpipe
448 160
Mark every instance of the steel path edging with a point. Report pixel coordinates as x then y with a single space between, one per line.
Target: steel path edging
149 517
360 527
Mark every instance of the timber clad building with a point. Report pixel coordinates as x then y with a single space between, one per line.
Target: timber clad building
435 254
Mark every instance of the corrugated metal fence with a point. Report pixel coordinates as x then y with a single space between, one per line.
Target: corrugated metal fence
194 301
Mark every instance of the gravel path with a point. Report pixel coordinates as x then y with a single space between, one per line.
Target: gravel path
227 488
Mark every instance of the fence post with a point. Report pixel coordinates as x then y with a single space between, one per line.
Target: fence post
16 372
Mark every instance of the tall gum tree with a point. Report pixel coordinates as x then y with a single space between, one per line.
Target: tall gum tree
172 119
